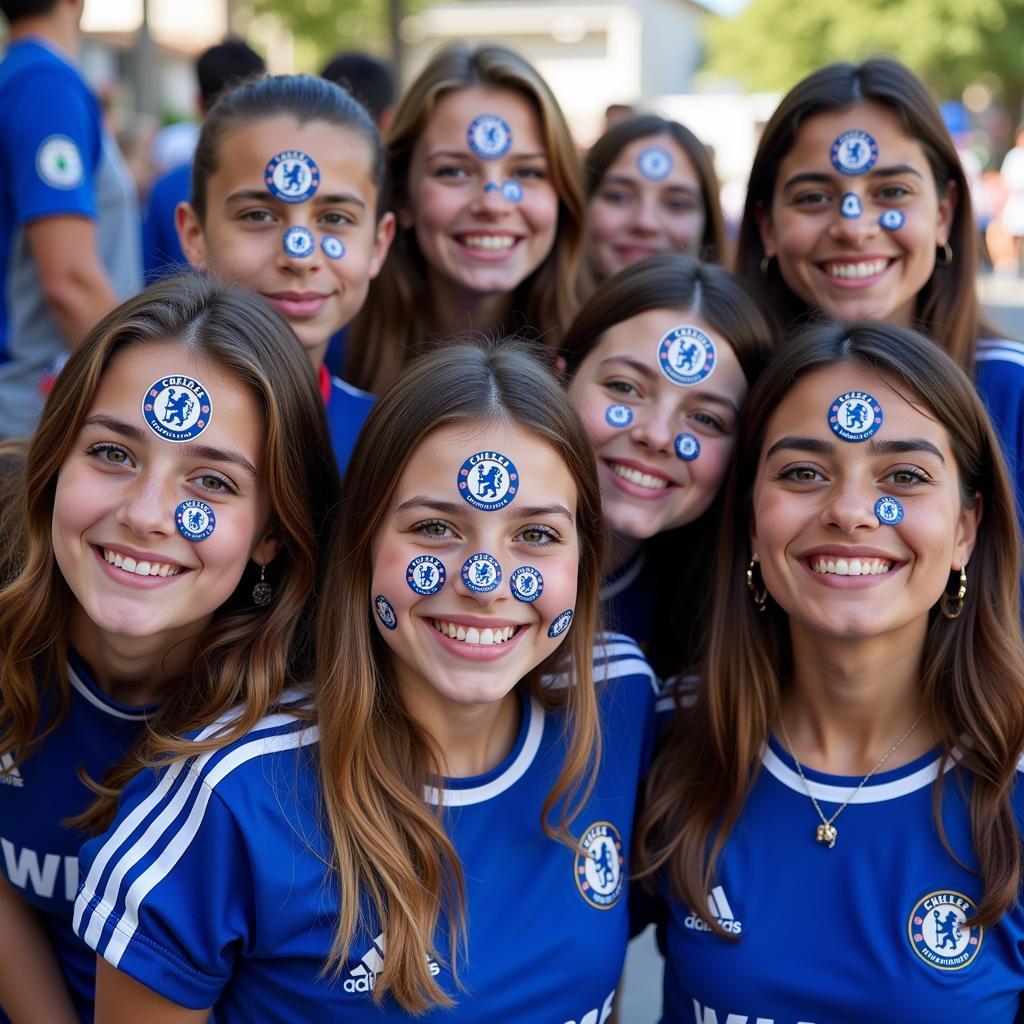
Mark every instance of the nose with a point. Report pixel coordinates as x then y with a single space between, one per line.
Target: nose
482 578
853 229
491 201
850 506
300 250
148 507
654 428
645 216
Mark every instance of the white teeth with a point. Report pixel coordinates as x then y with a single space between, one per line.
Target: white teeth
851 567
488 241
128 564
471 635
852 271
634 476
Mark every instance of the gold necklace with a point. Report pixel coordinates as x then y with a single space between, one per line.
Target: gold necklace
827 832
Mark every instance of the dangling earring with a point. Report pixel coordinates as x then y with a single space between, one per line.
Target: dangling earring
760 593
947 255
261 593
952 605
766 262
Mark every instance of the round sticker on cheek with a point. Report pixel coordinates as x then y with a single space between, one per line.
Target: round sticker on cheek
687 447
425 575
654 163
512 191
489 136
854 152
298 242
333 248
488 481
526 583
618 415
892 220
686 356
195 520
385 611
561 624
888 511
292 176
855 416
481 572
177 408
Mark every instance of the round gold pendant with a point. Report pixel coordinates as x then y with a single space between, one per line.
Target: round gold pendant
827 834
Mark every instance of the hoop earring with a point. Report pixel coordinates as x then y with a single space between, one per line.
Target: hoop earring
766 262
947 255
951 605
262 594
760 593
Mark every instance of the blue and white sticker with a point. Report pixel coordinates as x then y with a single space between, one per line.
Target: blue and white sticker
937 931
489 136
59 163
195 519
618 416
481 572
892 220
177 408
888 511
850 206
687 447
488 481
333 248
526 583
686 355
561 624
601 865
292 176
385 611
854 152
298 242
855 416
512 191
654 163
425 575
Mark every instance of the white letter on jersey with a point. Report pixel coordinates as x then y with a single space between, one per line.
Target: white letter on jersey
24 870
591 1016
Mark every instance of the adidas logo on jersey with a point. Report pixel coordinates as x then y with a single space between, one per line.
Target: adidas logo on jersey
363 976
9 774
719 908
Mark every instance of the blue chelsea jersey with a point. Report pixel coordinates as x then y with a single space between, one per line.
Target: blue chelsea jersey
38 853
870 930
211 886
347 409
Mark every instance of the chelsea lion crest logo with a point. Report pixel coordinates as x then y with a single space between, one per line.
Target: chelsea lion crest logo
177 408
600 865
686 356
488 481
937 931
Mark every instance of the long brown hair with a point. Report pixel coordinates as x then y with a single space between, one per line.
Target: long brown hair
972 669
389 847
248 655
394 324
679 282
947 306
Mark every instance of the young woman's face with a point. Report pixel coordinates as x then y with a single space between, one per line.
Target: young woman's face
469 642
483 224
115 535
242 238
851 265
832 564
641 208
646 487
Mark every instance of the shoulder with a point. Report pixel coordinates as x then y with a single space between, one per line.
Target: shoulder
348 394
1003 351
619 657
39 77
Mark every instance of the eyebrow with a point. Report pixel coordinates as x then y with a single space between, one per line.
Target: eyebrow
821 178
196 451
449 508
816 446
263 196
633 363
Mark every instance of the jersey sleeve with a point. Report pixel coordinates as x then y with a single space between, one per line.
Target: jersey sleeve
51 142
166 895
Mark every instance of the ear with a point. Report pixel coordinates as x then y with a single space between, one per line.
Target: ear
967 534
947 209
382 243
765 229
266 548
191 236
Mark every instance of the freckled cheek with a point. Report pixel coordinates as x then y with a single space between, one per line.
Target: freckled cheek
560 584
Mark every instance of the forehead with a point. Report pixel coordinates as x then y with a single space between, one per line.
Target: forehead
455 110
682 165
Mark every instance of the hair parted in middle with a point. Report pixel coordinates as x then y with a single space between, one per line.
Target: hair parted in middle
972 669
394 324
389 846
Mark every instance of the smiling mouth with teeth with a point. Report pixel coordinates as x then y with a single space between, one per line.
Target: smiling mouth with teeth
140 568
488 241
472 635
851 566
634 476
852 271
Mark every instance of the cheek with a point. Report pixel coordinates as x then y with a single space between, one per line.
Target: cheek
686 229
541 208
603 220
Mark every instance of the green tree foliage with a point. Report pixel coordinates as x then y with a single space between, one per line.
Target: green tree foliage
774 43
324 27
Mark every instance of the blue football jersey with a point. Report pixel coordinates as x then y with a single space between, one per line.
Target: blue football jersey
347 409
211 887
870 930
39 854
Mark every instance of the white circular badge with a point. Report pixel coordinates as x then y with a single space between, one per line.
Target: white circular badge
59 163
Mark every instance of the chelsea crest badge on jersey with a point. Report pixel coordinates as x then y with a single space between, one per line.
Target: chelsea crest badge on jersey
600 865
937 932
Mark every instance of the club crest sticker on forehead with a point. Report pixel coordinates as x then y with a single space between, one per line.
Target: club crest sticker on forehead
561 624
855 416
385 611
425 575
526 583
888 511
618 415
892 220
481 572
488 481
177 408
195 520
298 242
686 356
850 206
687 447
654 163
333 248
489 136
854 152
292 176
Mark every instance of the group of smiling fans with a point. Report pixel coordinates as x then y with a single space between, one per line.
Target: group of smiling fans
277 748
